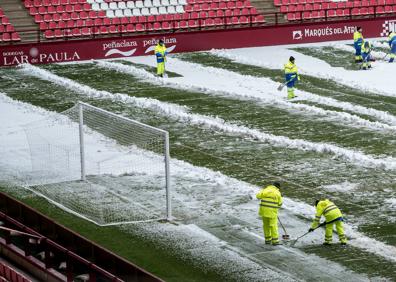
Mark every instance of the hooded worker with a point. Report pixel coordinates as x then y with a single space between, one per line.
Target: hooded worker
160 53
270 201
392 45
358 41
366 50
333 216
291 76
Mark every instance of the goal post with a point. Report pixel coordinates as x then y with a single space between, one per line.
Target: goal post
82 106
102 166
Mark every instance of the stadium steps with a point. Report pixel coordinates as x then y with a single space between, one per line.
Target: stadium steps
268 9
20 19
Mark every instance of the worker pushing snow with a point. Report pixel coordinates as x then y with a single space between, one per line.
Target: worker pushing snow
358 41
392 45
333 216
366 56
270 201
291 76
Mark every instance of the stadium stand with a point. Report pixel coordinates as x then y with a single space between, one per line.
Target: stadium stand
297 10
7 273
51 252
81 18
7 30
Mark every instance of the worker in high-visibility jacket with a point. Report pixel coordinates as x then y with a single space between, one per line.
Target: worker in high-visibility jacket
366 50
392 45
270 201
291 76
331 213
358 41
160 53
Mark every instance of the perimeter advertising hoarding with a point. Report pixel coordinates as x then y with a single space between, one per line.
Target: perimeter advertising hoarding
77 50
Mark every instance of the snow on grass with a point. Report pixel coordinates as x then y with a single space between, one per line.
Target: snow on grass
215 186
378 80
236 85
341 187
391 203
180 114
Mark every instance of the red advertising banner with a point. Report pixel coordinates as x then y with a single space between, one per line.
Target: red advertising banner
77 50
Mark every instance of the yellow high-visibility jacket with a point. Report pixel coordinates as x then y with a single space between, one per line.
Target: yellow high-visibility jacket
271 200
290 68
328 209
160 53
366 47
358 37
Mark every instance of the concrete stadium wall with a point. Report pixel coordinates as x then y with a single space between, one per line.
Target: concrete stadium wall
118 47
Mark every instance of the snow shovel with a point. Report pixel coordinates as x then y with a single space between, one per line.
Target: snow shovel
322 224
281 86
285 236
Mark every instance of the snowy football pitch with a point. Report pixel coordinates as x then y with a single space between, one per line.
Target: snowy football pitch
231 132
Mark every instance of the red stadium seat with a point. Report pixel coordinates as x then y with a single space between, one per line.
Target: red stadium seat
166 26
52 25
253 11
43 26
244 20
28 3
42 10
331 13
223 5
364 11
284 9
192 23
103 30
49 34
58 33
140 27
291 17
83 15
248 4
306 15
218 22
33 11
258 19
51 10
60 9
62 24
130 28
47 18
308 7
157 26
113 29
38 18
15 37
69 8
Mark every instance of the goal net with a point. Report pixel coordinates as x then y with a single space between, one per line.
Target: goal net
100 166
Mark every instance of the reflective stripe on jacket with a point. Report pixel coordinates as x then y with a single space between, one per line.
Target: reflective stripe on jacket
271 200
328 209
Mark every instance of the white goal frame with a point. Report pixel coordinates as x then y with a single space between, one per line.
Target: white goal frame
164 133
